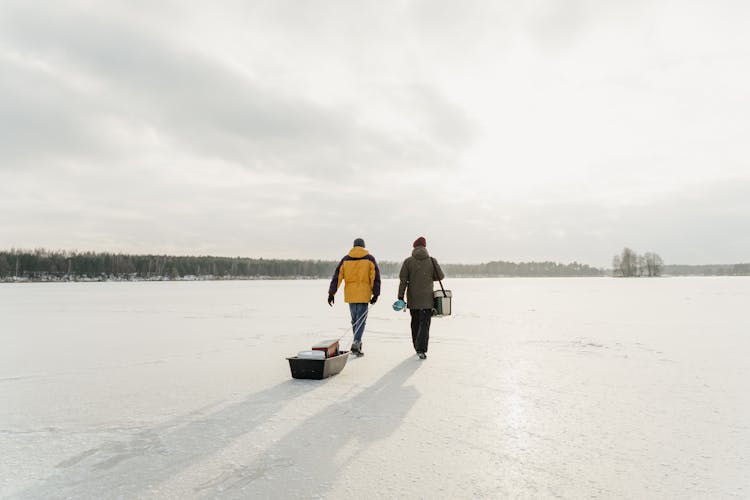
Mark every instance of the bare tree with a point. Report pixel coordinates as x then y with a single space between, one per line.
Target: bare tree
640 264
654 264
628 262
658 265
617 265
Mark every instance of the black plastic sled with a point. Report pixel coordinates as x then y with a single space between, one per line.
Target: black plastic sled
322 361
317 368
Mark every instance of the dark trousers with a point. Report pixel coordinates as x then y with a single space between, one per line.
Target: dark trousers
420 328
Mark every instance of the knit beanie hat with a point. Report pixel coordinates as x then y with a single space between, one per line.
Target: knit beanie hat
359 242
420 242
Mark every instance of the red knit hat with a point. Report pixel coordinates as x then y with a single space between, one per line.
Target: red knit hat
420 242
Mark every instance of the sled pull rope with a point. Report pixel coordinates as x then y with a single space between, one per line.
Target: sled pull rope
357 323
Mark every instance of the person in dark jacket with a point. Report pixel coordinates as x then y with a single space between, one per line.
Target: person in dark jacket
361 276
417 275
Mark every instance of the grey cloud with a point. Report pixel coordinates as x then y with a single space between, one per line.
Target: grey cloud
128 128
700 224
41 121
557 24
439 119
703 224
204 106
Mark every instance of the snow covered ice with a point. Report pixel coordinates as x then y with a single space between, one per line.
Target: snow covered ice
534 388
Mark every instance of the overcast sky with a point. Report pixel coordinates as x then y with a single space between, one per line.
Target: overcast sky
514 130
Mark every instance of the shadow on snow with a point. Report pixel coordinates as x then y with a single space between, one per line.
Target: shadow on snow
138 466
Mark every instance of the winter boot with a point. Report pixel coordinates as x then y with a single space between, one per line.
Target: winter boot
357 348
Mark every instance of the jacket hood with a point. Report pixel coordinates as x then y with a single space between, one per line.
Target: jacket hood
357 252
420 253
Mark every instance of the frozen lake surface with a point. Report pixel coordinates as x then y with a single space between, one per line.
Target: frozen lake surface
535 388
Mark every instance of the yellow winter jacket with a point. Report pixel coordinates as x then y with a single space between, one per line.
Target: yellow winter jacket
361 276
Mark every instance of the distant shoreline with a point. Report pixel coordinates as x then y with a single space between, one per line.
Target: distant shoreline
41 265
162 279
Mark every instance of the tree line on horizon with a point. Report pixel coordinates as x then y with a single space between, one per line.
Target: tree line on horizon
741 269
45 264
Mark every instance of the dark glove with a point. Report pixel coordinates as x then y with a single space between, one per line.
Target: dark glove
374 299
330 299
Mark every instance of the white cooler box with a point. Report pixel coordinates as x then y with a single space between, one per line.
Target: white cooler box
442 302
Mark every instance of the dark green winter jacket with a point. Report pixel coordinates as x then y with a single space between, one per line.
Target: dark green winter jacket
418 272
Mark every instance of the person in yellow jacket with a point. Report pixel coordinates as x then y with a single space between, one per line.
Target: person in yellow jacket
361 276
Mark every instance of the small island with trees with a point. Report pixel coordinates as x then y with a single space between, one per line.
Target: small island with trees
629 264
